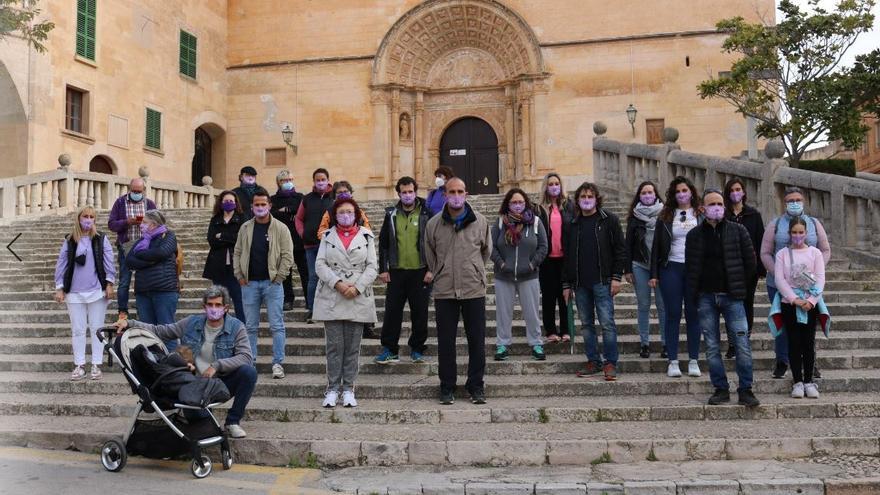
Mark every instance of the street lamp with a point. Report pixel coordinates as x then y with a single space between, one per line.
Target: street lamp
287 135
631 117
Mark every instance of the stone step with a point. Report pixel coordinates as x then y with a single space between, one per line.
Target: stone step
340 445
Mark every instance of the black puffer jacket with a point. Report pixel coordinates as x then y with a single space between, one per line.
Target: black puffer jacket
284 208
739 259
215 264
156 266
612 249
750 218
636 249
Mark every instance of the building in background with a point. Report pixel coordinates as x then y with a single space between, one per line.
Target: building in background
502 91
868 156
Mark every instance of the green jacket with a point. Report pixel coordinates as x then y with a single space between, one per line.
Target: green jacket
280 251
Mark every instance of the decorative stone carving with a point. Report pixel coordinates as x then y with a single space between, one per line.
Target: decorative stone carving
670 134
207 181
439 120
405 127
63 161
143 171
774 149
465 68
599 128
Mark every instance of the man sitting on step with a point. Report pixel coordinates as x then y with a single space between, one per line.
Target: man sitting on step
220 345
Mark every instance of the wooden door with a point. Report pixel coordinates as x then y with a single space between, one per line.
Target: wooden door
469 146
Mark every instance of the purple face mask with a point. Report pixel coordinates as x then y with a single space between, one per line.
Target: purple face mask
798 239
517 208
683 197
343 195
321 185
648 199
737 196
228 206
587 204
715 212
408 198
345 219
87 223
215 314
260 211
554 190
456 202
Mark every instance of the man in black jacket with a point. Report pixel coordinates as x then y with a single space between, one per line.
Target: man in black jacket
402 266
245 191
595 258
285 204
720 262
308 219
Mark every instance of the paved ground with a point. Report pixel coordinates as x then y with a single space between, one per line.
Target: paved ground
38 472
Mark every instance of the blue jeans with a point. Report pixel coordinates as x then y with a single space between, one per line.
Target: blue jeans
780 344
590 301
254 294
711 307
673 286
643 299
311 257
123 281
240 382
158 308
229 281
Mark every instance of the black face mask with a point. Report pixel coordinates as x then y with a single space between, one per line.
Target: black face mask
80 260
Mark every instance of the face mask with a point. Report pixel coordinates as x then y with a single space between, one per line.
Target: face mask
345 219
798 239
228 206
554 189
456 202
86 223
260 211
587 204
408 198
648 199
683 198
715 212
136 197
321 185
215 313
145 228
795 208
343 195
287 186
737 196
439 181
517 208
249 180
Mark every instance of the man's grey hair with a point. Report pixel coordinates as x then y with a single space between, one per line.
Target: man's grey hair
792 190
216 291
156 216
284 174
712 190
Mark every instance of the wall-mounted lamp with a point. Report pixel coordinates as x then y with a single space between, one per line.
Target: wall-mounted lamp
287 135
631 117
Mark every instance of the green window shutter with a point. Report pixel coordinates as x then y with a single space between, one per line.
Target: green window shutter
188 43
85 28
154 129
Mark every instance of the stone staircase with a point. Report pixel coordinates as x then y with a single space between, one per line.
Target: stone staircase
538 413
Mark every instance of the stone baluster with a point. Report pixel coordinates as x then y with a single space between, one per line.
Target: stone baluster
44 195
22 200
56 203
863 232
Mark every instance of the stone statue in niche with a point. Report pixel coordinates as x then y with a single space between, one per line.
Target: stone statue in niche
405 127
519 119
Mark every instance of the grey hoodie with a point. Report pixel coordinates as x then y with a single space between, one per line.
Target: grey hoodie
521 262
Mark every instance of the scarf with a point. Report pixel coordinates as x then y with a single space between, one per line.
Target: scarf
346 234
648 214
514 224
144 243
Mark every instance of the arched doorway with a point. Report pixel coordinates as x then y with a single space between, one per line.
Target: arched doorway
470 147
101 164
201 162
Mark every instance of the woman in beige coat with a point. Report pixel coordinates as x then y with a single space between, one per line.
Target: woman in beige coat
346 267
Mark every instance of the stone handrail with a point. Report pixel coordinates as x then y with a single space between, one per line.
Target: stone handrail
63 190
848 207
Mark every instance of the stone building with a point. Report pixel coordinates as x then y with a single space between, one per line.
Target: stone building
501 90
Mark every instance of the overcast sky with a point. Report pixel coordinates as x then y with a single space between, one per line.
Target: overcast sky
865 43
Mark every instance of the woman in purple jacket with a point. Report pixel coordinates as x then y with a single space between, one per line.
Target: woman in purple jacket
437 197
84 276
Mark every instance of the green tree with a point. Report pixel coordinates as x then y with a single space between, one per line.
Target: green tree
17 19
789 76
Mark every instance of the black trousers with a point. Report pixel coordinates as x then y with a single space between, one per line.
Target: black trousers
801 343
473 311
550 275
299 258
406 286
749 302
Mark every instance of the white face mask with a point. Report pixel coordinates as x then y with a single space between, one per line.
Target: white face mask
440 181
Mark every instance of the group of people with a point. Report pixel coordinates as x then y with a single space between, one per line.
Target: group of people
690 251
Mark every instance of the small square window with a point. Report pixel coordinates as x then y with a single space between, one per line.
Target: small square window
76 110
276 157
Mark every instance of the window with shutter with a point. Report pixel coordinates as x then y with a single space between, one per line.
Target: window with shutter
154 129
188 54
75 118
85 28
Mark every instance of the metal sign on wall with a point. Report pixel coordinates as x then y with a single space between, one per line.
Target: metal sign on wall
458 152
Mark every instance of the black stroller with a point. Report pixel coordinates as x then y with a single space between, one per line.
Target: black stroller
159 430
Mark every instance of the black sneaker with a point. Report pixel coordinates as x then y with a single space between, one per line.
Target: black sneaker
816 373
478 397
446 398
663 354
288 305
368 332
779 370
731 352
645 353
309 317
747 398
721 396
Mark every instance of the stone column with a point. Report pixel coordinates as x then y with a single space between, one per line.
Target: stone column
773 152
525 100
508 170
418 128
395 137
541 126
381 136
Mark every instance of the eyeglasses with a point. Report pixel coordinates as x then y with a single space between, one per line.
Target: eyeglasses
682 217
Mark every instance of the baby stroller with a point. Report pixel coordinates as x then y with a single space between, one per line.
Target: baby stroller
159 430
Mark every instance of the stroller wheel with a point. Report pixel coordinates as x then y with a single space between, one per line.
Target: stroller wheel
227 458
202 472
113 456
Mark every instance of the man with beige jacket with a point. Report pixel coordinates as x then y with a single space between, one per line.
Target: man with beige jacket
458 243
261 261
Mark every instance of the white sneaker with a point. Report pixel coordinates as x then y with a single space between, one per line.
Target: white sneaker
694 368
348 399
96 372
235 431
673 371
277 371
330 398
811 390
78 374
797 390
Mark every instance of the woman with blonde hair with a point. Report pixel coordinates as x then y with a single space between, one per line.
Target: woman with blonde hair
84 276
554 212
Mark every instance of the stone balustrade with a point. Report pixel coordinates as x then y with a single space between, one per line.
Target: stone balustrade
849 207
63 190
